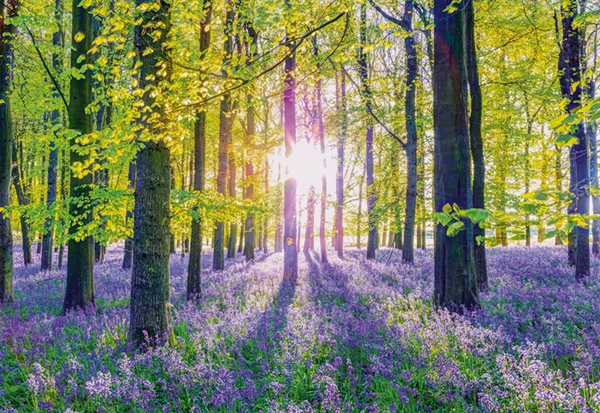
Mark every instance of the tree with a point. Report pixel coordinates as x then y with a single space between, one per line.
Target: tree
321 135
339 177
194 267
150 308
250 132
569 66
225 125
7 30
80 255
290 251
476 146
57 64
455 283
366 95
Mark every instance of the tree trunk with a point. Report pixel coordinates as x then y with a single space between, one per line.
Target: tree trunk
290 251
570 75
250 132
591 130
476 146
310 219
23 202
455 284
80 254
6 143
128 249
339 179
225 125
366 96
359 214
57 66
150 316
411 136
232 193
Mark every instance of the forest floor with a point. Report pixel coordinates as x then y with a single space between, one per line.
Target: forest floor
350 336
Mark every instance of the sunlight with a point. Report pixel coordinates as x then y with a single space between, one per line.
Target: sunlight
305 164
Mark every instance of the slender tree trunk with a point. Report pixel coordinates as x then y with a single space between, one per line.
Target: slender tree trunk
359 214
570 75
23 202
476 146
411 136
128 249
80 254
339 181
455 282
47 240
150 315
591 130
290 251
367 96
225 125
310 219
250 132
232 194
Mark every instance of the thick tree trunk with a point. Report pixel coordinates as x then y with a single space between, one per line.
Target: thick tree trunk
80 254
569 66
225 125
150 273
150 316
455 283
476 147
6 143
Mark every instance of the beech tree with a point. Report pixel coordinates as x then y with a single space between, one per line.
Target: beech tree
7 30
455 283
150 308
80 254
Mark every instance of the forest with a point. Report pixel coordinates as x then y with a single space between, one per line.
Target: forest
299 206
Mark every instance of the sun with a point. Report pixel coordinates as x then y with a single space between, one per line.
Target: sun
305 165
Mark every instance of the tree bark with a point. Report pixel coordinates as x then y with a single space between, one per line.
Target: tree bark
225 125
321 135
150 316
57 65
80 254
339 179
195 259
6 143
411 135
455 284
569 66
476 146
128 249
367 96
290 251
23 202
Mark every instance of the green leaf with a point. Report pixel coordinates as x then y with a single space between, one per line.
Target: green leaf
455 228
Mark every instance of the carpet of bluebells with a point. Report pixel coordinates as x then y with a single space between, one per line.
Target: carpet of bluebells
350 336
